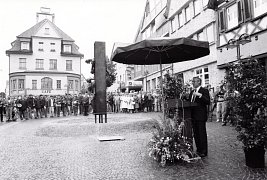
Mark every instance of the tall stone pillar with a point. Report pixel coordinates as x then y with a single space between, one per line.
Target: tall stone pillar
100 77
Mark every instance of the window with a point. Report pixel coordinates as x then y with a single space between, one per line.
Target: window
222 26
70 84
25 45
69 65
34 84
58 84
21 84
53 64
67 48
210 33
259 7
181 19
200 36
197 7
39 64
53 47
22 63
232 16
174 23
187 14
46 83
46 31
41 46
14 84
76 85
203 73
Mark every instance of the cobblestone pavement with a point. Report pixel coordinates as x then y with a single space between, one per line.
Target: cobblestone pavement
67 148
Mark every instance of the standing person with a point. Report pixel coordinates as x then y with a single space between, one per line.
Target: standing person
86 104
50 106
81 103
58 105
9 108
117 101
219 96
2 104
38 108
22 107
199 116
75 105
64 105
31 106
43 108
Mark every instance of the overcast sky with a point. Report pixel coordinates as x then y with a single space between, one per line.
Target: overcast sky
86 21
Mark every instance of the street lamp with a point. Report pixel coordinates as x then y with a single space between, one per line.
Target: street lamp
235 43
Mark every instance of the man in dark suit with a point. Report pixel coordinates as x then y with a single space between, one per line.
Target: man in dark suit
199 116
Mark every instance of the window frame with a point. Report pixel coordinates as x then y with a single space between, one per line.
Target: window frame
34 84
37 67
52 66
58 84
28 45
187 20
69 69
21 84
24 63
64 48
195 5
46 85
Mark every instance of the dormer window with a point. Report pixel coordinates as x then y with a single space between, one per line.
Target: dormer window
46 31
67 48
25 46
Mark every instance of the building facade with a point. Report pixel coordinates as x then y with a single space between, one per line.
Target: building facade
245 21
44 60
183 18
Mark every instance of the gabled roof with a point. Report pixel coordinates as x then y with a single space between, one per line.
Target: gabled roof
34 29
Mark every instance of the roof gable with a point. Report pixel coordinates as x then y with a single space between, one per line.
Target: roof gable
39 30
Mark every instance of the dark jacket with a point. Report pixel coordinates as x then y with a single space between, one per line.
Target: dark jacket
200 112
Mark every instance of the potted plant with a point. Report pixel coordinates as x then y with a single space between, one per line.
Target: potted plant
249 79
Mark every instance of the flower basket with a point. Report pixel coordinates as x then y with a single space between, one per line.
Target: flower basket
255 157
170 144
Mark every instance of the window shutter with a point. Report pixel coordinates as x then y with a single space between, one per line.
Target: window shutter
222 19
247 9
240 11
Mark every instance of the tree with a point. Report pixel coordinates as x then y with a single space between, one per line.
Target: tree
110 73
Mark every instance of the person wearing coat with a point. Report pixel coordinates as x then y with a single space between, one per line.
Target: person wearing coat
2 106
22 106
199 116
31 106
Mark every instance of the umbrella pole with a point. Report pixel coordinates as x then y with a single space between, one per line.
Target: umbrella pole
161 86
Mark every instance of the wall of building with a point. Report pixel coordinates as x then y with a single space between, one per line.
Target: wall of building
46 55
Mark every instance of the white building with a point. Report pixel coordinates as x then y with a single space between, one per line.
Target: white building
44 60
179 18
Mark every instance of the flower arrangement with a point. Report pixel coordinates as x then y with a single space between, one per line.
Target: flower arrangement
168 144
172 86
249 79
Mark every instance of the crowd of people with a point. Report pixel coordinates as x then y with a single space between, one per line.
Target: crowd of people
35 107
43 106
134 102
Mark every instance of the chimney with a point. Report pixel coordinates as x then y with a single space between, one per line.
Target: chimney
45 13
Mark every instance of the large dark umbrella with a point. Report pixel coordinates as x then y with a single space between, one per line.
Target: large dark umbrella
161 51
